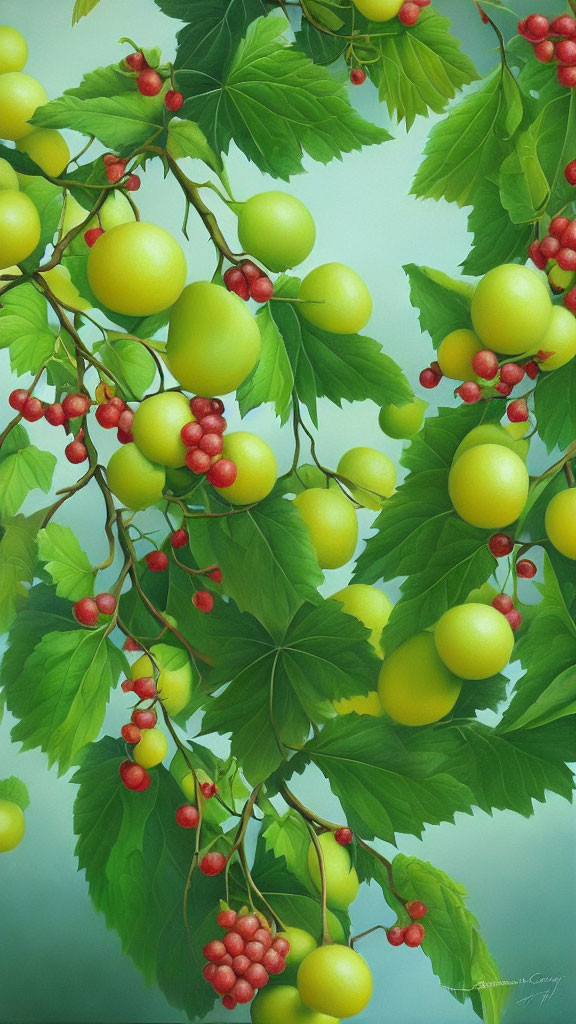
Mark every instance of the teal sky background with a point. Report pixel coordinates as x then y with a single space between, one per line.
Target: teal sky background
58 963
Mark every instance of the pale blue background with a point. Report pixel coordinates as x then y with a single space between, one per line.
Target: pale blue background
57 961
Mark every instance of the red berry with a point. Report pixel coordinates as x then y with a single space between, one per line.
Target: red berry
208 789
149 82
273 962
504 389
217 405
200 406
408 14
215 951
197 461
212 444
344 836
544 51
131 645
224 472
262 289
76 452
566 75
126 420
500 544
256 975
86 611
570 300
469 392
173 100
549 246
243 991
357 76
558 226
136 61
32 410
109 158
215 575
187 816
125 437
414 934
131 733
281 945
566 259
212 863
209 970
227 918
235 944
422 3
132 183
106 603
55 415
251 273
255 951
511 373
236 282
395 935
503 603
263 936
526 569
416 909
76 405
191 433
17 399
144 688
134 776
485 364
228 960
203 601
536 256
157 561
115 171
213 423
532 369
428 379
224 980
515 619
127 685
247 925
229 1002
179 538
565 52
537 26
568 237
107 415
240 965
517 411
144 718
563 25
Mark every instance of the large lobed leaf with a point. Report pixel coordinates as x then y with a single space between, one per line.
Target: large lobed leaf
24 329
18 556
68 565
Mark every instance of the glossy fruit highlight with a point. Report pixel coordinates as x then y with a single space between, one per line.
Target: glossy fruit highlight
379 10
137 269
335 980
488 486
12 825
474 640
511 309
13 50
415 686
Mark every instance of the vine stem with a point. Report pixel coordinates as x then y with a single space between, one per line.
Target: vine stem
326 937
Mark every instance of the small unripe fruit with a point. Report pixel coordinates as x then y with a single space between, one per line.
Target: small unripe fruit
500 544
86 611
212 864
187 816
526 569
149 82
106 603
157 561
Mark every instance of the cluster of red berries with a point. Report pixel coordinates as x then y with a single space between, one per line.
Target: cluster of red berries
58 414
412 934
157 561
88 609
505 604
410 11
134 776
142 718
114 414
150 83
187 815
553 40
243 961
493 379
249 282
559 244
203 439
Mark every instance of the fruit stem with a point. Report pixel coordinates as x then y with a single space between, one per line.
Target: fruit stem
362 935
326 937
69 237
191 191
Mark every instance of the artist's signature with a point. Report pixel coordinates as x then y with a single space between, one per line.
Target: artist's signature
544 987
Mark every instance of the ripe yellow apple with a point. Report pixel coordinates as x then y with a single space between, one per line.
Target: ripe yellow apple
157 425
378 10
488 486
282 1004
47 148
511 310
415 686
341 878
301 943
20 96
332 524
403 421
335 980
12 825
136 268
256 464
13 49
19 227
335 299
371 606
373 473
8 176
277 229
560 522
560 339
474 641
456 352
151 749
136 482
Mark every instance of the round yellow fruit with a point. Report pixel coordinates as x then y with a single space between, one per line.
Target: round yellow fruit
488 486
456 352
188 787
114 211
175 678
474 641
403 421
12 825
511 310
256 465
157 425
282 1004
60 283
19 227
301 943
332 524
335 299
277 229
20 96
335 980
363 705
517 430
151 749
560 522
13 50
341 878
378 10
8 176
47 148
370 606
495 433
136 269
560 339
136 482
373 473
213 340
415 686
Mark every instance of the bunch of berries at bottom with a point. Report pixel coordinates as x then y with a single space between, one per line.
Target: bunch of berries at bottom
114 414
203 439
492 380
412 934
150 82
242 962
57 414
248 282
410 11
553 41
556 252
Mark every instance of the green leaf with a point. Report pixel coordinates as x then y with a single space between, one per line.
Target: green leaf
489 695
321 48
137 861
119 122
272 379
436 444
21 162
24 329
82 8
47 199
61 695
496 239
14 789
419 68
524 189
216 27
17 564
130 362
278 687
272 90
444 303
287 836
186 139
68 565
555 406
21 473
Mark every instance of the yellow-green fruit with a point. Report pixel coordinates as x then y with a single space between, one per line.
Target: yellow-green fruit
282 1004
560 522
188 787
560 280
369 704
378 10
59 281
12 825
415 686
517 430
341 879
511 310
560 339
157 425
137 269
74 214
456 352
482 595
256 465
151 749
494 433
175 679
488 486
13 49
47 148
335 299
8 176
180 481
370 606
335 980
20 96
136 482
213 340
301 943
115 210
372 471
474 641
9 270
19 227
403 421
277 229
332 524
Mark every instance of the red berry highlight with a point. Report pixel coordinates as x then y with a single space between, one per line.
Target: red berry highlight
179 538
515 619
86 611
500 544
187 816
503 603
429 379
222 473
191 433
485 364
106 603
395 935
357 76
144 688
144 718
17 399
212 864
526 569
131 733
517 411
414 934
149 82
54 414
76 405
344 836
469 392
157 561
416 909
173 100
136 61
76 452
